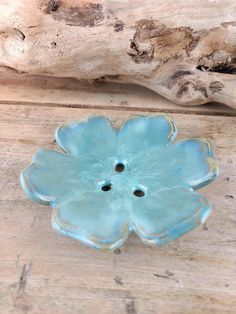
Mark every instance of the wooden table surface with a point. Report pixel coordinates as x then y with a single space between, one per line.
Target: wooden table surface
43 272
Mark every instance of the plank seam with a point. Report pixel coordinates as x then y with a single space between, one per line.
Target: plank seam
119 108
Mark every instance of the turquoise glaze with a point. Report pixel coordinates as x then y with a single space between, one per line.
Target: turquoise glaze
110 182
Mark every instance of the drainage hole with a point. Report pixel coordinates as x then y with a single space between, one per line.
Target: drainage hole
139 193
120 167
106 187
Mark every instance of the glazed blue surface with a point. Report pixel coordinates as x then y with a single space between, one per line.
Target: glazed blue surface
110 182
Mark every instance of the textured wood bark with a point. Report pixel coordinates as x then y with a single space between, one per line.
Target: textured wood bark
184 50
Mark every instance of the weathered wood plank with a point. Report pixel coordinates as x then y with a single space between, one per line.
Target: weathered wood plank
43 272
69 92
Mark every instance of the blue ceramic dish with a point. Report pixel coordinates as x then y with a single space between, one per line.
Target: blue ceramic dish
110 182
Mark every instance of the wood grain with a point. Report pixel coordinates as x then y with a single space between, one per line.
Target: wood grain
183 50
51 91
43 272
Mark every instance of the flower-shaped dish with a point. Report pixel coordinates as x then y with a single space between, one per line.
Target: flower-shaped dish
110 182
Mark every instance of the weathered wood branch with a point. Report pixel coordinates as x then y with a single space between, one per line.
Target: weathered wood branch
184 50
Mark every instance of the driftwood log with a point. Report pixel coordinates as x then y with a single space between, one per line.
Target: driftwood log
184 50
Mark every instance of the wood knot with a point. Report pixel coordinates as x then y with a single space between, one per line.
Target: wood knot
192 91
216 87
119 26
